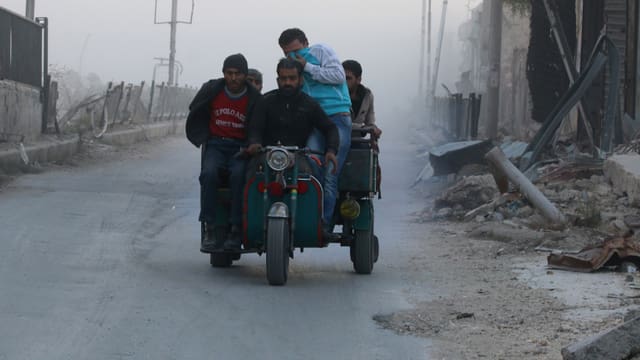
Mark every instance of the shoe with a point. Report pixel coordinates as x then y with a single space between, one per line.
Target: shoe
209 242
328 236
234 240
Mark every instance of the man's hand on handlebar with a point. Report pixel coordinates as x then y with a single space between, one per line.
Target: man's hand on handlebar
330 156
376 132
367 129
254 149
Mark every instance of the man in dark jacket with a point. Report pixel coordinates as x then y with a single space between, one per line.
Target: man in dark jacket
288 116
218 118
362 111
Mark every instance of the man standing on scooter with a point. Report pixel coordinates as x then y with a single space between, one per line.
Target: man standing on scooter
218 118
324 81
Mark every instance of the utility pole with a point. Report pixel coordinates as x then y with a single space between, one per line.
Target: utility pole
172 44
429 50
493 87
174 27
31 9
436 64
421 70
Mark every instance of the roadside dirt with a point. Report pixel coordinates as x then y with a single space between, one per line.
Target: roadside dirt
494 296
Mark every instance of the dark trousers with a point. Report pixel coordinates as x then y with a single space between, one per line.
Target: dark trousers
218 156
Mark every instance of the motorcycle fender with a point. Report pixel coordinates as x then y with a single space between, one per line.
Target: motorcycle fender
365 220
279 210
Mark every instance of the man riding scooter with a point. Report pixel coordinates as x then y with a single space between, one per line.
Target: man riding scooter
287 116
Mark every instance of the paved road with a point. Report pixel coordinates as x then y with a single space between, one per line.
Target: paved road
102 262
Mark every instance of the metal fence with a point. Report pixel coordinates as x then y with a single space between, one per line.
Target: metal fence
457 116
127 104
168 102
21 49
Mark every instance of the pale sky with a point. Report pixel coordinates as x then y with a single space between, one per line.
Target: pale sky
122 41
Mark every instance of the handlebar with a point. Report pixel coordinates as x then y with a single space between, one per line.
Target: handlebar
359 133
243 152
364 128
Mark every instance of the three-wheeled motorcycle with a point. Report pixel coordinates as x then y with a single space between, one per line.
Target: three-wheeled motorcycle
283 209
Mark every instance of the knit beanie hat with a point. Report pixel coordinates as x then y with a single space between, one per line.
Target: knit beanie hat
236 61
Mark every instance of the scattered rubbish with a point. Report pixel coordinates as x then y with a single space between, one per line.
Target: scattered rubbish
582 168
555 251
627 267
23 154
514 149
464 315
424 174
622 296
612 252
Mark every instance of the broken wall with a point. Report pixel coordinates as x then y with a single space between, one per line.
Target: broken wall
20 110
515 104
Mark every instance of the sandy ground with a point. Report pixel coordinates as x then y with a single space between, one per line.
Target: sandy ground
496 298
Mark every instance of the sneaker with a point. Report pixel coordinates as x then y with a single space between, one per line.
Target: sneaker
209 242
234 240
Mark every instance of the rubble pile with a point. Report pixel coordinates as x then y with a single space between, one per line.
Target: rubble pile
467 194
586 202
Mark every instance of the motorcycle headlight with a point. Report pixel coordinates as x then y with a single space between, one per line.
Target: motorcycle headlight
278 160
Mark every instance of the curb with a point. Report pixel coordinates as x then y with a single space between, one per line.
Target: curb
142 133
53 149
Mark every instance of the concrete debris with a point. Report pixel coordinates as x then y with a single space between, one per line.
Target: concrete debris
623 171
620 342
468 193
590 200
632 221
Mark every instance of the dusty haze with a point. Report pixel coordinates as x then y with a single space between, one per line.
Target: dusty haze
121 39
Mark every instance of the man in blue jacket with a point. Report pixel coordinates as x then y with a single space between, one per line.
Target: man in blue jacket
324 81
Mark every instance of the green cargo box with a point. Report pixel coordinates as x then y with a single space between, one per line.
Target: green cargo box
359 171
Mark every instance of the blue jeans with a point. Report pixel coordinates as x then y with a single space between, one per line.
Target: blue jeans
219 154
329 180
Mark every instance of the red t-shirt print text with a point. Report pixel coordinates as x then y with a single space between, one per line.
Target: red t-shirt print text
228 116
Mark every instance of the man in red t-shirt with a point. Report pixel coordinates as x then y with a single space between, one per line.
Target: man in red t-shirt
218 119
